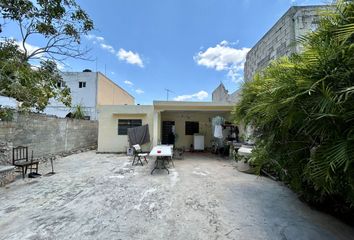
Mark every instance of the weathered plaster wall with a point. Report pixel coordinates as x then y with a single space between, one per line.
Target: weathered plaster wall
45 135
221 95
280 40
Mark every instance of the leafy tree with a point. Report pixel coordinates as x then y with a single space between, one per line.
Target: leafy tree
60 22
60 25
32 87
303 110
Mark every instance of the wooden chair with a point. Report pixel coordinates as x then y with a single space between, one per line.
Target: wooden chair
138 154
21 160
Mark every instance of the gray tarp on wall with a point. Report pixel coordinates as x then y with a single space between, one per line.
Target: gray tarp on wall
139 135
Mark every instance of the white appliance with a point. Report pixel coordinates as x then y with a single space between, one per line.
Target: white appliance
130 151
198 142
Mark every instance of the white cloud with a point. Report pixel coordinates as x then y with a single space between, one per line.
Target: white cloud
107 47
60 65
130 57
129 83
139 91
201 95
30 48
223 57
94 37
124 55
99 38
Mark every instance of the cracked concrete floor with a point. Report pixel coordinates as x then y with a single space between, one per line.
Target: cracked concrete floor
101 196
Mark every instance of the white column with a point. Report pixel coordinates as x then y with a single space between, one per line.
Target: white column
155 135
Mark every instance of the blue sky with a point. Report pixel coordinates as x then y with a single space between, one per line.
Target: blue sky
187 46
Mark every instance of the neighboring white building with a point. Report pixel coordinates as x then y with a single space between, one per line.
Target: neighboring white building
89 89
8 102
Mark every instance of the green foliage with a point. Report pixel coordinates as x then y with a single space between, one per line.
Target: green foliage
59 23
32 87
303 109
6 114
78 112
30 75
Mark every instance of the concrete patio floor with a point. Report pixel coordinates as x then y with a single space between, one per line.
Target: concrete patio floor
101 196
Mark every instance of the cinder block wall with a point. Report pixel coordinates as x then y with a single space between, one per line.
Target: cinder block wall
281 39
45 135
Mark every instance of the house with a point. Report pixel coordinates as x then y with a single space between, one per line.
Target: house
281 39
183 118
89 89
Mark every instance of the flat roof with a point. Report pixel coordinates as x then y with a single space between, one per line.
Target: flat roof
192 104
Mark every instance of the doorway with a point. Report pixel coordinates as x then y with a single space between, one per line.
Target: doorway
168 136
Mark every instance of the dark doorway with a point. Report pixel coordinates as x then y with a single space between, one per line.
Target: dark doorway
168 136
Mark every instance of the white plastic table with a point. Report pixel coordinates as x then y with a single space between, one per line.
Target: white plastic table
244 151
162 153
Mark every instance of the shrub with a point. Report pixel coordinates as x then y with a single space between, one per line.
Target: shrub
6 114
302 106
78 112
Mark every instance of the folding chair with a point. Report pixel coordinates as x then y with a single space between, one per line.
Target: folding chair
138 154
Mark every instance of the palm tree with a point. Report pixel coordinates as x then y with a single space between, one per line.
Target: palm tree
303 109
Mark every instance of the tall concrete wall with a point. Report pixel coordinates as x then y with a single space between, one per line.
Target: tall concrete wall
221 95
280 40
45 135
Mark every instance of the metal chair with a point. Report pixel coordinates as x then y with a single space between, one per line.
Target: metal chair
138 154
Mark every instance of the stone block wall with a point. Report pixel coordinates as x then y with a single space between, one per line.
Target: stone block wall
7 175
220 94
280 40
45 135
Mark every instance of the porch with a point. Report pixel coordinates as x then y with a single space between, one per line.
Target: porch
181 120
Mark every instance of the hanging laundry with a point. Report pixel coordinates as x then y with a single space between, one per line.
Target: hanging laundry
218 131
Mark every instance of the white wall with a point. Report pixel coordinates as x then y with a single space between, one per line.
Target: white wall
84 96
8 102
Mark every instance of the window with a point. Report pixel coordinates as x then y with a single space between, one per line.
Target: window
61 84
82 84
124 124
191 128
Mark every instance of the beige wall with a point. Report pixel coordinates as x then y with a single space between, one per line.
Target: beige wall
108 93
205 128
110 141
108 138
